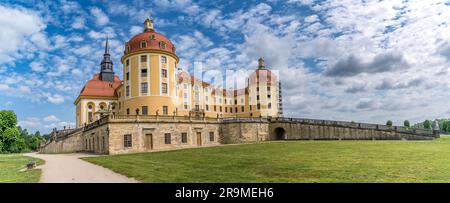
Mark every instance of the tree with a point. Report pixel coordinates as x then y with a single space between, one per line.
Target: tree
406 124
427 124
12 141
389 123
8 119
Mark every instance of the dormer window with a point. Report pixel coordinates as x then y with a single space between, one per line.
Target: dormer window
143 44
173 49
127 48
152 37
162 45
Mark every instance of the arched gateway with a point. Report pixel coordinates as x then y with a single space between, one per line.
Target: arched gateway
280 133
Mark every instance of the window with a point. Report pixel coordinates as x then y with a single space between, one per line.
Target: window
167 138
197 108
257 88
269 105
162 45
231 109
242 109
128 111
164 73
144 72
220 109
152 37
128 48
127 62
164 88
236 109
163 59
211 136
268 96
185 86
215 108
143 58
128 75
268 89
127 140
143 44
250 107
185 106
90 117
207 107
258 106
185 95
144 88
226 109
242 100
183 137
127 90
144 110
235 101
165 110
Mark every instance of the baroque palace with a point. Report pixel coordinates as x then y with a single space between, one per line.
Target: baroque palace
158 106
153 85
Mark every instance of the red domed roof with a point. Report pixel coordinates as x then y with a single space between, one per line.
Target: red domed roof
97 87
153 41
263 76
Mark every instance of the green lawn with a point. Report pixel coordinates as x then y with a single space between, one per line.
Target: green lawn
10 166
292 161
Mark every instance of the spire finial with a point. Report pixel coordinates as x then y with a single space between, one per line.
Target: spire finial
107 45
148 25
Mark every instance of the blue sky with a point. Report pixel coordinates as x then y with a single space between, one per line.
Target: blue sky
366 61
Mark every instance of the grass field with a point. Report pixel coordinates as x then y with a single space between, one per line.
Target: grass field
292 161
10 166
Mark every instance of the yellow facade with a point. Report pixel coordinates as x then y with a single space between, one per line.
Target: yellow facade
151 85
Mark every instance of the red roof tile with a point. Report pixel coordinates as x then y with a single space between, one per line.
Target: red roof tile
97 87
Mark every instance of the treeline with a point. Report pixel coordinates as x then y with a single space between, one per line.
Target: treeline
444 125
14 139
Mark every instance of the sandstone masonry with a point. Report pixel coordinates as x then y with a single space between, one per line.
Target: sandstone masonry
133 134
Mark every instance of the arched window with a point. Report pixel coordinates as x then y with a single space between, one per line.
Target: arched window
102 106
152 37
162 45
90 112
143 44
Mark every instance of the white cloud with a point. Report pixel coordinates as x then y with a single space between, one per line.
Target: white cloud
55 98
135 30
37 66
20 28
101 18
79 23
51 118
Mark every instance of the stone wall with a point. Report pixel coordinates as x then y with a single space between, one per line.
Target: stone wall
308 129
244 132
106 136
71 143
150 136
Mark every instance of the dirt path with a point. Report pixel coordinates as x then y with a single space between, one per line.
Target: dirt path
68 168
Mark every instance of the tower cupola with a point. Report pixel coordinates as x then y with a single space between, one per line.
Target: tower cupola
148 25
106 66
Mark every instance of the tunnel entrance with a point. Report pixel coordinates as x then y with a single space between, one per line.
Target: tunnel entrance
280 133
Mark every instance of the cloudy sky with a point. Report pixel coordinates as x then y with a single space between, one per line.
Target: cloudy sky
366 61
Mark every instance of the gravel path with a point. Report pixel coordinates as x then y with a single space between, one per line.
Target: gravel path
68 168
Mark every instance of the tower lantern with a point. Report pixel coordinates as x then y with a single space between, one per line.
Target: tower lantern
261 63
148 25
